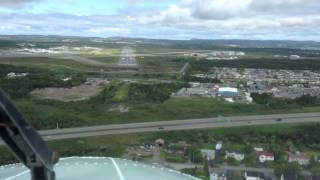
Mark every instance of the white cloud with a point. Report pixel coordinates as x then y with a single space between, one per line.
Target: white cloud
14 3
226 9
278 4
249 19
217 9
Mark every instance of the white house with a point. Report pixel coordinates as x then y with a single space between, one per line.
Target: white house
294 57
66 79
218 176
258 149
208 154
15 75
235 155
301 158
219 146
265 156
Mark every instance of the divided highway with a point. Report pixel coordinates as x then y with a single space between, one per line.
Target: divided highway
218 122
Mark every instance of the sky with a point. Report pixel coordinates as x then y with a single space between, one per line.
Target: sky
164 19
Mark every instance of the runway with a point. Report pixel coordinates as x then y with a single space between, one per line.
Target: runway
127 57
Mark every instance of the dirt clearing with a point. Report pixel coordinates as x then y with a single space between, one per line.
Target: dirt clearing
76 93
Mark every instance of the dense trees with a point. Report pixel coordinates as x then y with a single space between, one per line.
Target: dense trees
195 155
291 169
139 92
303 64
152 92
273 102
21 87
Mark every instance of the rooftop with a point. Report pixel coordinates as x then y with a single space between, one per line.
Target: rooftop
228 89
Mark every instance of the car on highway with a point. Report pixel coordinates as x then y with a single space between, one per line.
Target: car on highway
161 128
279 119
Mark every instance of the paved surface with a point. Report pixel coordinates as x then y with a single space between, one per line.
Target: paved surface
179 125
269 172
127 57
182 71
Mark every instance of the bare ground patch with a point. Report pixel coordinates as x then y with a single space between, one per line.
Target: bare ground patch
76 93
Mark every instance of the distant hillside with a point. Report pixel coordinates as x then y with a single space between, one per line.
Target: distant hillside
12 40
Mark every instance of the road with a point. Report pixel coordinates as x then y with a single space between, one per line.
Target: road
266 171
219 122
127 57
183 70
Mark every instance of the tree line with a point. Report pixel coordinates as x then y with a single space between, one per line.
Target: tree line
20 87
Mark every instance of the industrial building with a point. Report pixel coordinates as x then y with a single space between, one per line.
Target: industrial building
228 92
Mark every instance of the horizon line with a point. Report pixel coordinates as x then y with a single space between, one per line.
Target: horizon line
169 39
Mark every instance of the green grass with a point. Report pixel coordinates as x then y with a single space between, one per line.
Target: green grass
91 112
122 92
107 59
160 67
106 146
103 52
316 169
53 64
160 64
198 172
175 158
202 137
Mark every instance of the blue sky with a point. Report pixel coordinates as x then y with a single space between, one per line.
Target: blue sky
171 19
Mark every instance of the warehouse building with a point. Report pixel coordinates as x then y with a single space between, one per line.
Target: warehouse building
228 92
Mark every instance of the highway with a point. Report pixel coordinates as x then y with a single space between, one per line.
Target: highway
218 122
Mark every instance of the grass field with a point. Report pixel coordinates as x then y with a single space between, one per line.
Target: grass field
147 65
46 113
112 60
53 64
160 64
100 53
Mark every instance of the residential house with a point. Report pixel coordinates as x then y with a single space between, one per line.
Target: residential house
160 142
294 57
265 156
15 75
235 155
219 146
258 149
218 152
218 176
301 158
317 159
178 148
208 154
